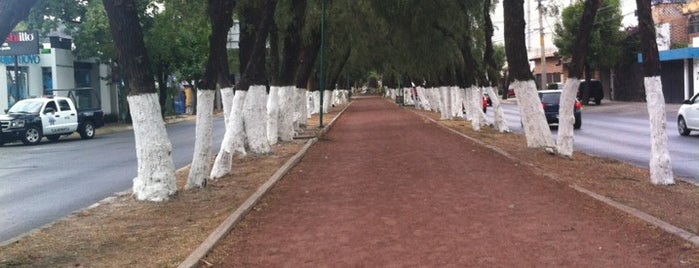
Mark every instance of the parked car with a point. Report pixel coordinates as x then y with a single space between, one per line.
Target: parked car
550 103
590 90
510 92
688 116
30 120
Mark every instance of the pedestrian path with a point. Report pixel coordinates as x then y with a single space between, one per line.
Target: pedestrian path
386 187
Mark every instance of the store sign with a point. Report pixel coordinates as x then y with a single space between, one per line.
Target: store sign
20 43
21 60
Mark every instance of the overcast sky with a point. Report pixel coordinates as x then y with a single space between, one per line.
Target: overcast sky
627 11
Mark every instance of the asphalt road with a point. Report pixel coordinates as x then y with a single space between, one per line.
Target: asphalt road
40 184
621 130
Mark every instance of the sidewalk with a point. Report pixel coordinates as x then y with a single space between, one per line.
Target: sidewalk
385 187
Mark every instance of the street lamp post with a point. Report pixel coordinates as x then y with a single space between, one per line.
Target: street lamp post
322 60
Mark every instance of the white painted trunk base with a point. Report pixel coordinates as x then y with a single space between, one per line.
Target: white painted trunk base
660 163
286 113
156 172
456 102
227 94
233 139
468 112
200 168
476 106
444 103
255 118
327 100
273 115
301 102
536 130
498 113
566 118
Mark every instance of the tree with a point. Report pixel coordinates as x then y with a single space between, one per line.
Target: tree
156 172
536 130
604 49
575 71
11 13
247 119
216 74
492 69
660 163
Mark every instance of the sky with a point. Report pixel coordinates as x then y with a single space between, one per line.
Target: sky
627 10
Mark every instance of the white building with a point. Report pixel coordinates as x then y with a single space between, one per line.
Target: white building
54 67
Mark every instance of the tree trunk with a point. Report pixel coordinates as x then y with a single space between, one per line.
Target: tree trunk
156 172
536 130
221 16
11 13
255 79
566 117
660 164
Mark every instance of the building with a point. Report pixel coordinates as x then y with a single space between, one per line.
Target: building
54 67
555 72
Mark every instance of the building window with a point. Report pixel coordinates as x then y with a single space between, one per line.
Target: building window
16 84
693 25
47 79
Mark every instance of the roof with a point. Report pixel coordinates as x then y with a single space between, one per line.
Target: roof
675 54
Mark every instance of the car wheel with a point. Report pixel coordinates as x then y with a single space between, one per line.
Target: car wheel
53 138
87 131
598 101
682 127
32 136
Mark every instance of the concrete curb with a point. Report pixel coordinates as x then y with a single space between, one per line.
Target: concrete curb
663 225
227 225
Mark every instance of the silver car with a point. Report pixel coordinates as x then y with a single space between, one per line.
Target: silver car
688 116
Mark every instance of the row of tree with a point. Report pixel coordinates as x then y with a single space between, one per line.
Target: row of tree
440 44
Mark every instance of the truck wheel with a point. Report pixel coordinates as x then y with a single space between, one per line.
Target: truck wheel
87 131
32 136
53 138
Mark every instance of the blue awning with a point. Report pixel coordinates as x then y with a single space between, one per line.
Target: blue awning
676 54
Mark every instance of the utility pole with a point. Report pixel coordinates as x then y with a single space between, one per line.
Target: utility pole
543 48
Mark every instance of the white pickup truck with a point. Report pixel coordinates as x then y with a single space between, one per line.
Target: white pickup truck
30 120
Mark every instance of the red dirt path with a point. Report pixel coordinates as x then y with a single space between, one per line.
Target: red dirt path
385 187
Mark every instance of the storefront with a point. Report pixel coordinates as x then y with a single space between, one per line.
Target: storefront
53 67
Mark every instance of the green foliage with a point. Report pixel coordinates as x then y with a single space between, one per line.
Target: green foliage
605 40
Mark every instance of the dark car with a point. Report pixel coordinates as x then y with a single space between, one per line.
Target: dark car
590 90
550 102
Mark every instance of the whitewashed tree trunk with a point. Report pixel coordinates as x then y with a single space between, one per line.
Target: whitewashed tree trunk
255 118
301 109
227 94
477 116
444 103
286 113
422 98
498 113
156 172
468 97
200 168
566 118
316 102
455 102
233 139
660 163
273 115
327 100
536 130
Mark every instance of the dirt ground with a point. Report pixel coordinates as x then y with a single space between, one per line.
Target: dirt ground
122 232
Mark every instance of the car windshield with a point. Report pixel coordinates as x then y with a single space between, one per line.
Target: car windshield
26 106
550 98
